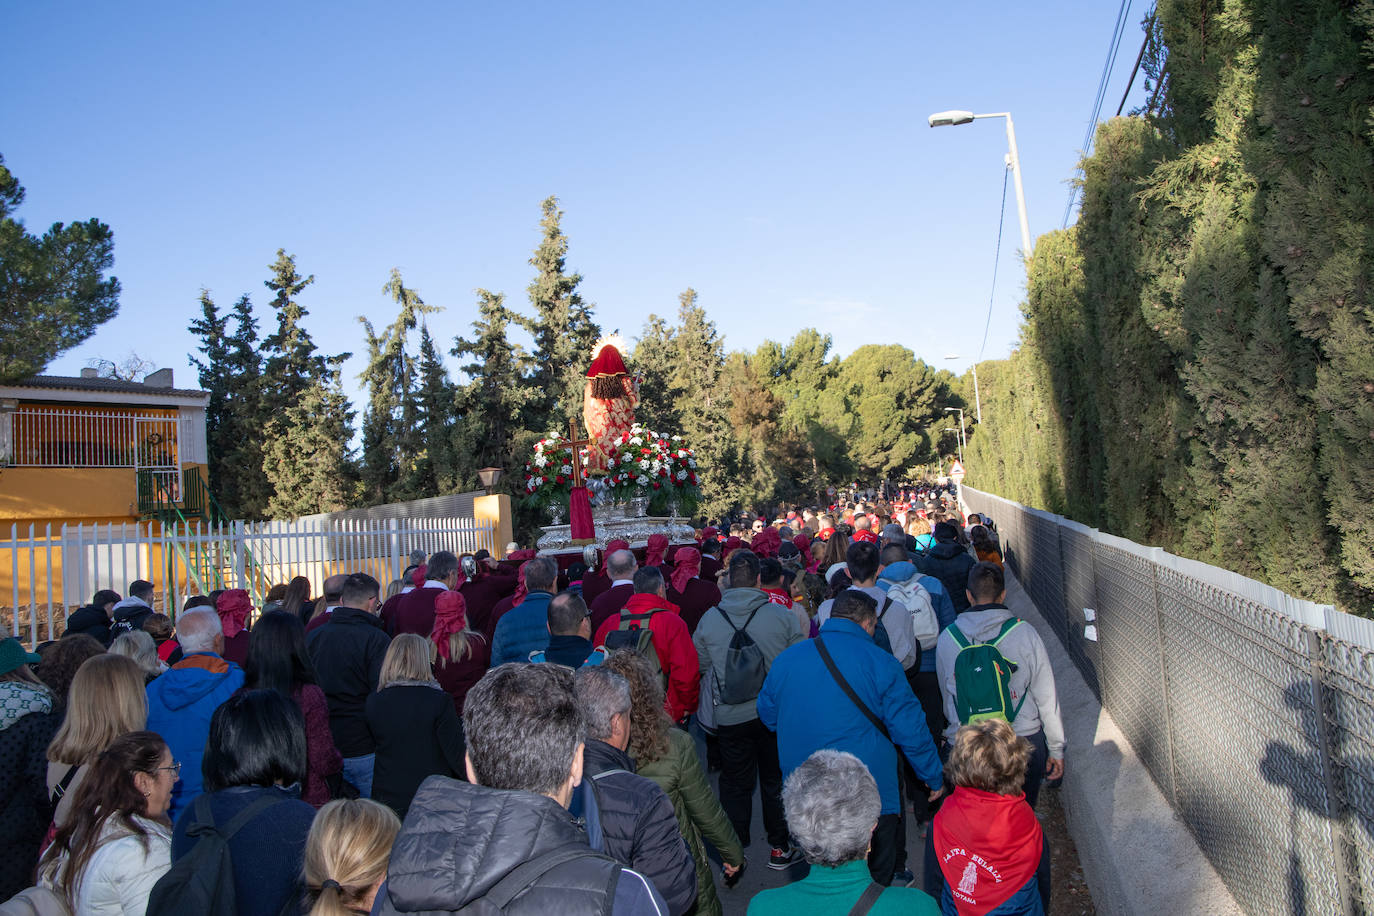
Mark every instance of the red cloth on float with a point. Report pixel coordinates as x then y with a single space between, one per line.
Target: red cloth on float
450 616
580 515
988 846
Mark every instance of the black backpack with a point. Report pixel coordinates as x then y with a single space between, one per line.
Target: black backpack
745 667
201 883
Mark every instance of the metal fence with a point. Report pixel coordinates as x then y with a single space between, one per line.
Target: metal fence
92 437
1253 710
46 573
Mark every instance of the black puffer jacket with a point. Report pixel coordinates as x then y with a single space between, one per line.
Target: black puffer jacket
460 840
950 564
91 620
24 809
640 826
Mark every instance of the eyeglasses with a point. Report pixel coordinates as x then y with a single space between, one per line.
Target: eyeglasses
174 768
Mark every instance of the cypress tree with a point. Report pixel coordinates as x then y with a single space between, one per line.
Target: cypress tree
498 399
654 359
436 403
562 327
291 364
307 453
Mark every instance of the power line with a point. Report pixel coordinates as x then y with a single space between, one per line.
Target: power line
1118 29
1149 23
996 257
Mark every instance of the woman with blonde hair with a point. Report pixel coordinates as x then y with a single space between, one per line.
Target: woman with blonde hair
346 856
107 700
138 646
668 756
412 719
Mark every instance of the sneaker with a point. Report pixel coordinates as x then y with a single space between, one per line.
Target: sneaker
783 857
903 878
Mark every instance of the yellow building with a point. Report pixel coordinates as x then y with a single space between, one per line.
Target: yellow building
89 449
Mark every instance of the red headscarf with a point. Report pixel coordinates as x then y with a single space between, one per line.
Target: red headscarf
450 616
803 542
766 542
521 555
653 552
520 591
707 533
233 607
617 544
688 560
863 534
418 575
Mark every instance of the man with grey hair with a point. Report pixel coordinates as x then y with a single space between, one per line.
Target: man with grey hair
621 567
415 612
524 759
832 805
636 821
182 699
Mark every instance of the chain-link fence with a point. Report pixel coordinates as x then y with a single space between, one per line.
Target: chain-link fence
1253 710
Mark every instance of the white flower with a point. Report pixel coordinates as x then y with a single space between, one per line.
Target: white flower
636 440
691 462
540 461
642 480
681 475
644 464
681 453
567 469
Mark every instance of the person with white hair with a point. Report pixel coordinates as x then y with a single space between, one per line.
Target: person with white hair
832 806
181 701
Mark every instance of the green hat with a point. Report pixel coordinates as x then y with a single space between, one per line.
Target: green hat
12 655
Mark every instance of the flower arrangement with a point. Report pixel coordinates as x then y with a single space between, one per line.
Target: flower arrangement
643 463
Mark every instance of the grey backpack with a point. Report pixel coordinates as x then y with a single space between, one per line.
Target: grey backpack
745 667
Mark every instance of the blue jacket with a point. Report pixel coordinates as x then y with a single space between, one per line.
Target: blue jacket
522 630
809 711
939 598
180 704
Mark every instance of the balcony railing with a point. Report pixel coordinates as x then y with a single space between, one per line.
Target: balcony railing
92 438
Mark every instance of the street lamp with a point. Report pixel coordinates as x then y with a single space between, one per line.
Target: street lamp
977 401
963 438
951 118
951 429
490 477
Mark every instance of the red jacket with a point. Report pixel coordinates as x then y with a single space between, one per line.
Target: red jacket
677 656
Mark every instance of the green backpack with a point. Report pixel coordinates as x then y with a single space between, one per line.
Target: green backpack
633 633
982 678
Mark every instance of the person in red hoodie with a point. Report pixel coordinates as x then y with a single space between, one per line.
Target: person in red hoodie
989 846
677 656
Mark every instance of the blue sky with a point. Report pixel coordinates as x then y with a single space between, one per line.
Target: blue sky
775 156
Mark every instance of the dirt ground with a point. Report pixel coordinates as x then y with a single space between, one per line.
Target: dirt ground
1070 896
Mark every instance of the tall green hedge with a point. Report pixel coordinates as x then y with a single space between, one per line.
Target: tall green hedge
1201 343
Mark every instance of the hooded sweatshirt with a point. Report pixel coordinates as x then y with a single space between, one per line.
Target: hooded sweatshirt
131 611
773 630
1033 677
90 620
180 704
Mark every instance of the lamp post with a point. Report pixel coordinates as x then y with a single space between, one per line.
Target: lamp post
963 438
490 477
977 401
951 118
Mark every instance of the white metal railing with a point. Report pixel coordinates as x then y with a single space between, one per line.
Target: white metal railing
46 572
92 438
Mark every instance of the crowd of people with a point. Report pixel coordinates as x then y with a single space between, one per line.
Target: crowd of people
538 734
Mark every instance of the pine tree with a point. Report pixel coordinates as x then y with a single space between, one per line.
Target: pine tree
307 451
436 402
291 364
894 399
696 390
390 437
498 399
653 359
562 327
242 486
212 329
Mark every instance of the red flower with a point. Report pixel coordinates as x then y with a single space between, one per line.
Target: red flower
559 479
656 485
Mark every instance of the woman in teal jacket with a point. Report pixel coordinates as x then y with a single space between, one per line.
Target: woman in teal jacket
668 756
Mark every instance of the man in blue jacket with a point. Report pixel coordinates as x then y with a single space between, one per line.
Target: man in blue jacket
182 699
809 709
525 628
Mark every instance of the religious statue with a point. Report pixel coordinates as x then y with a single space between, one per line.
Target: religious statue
608 402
